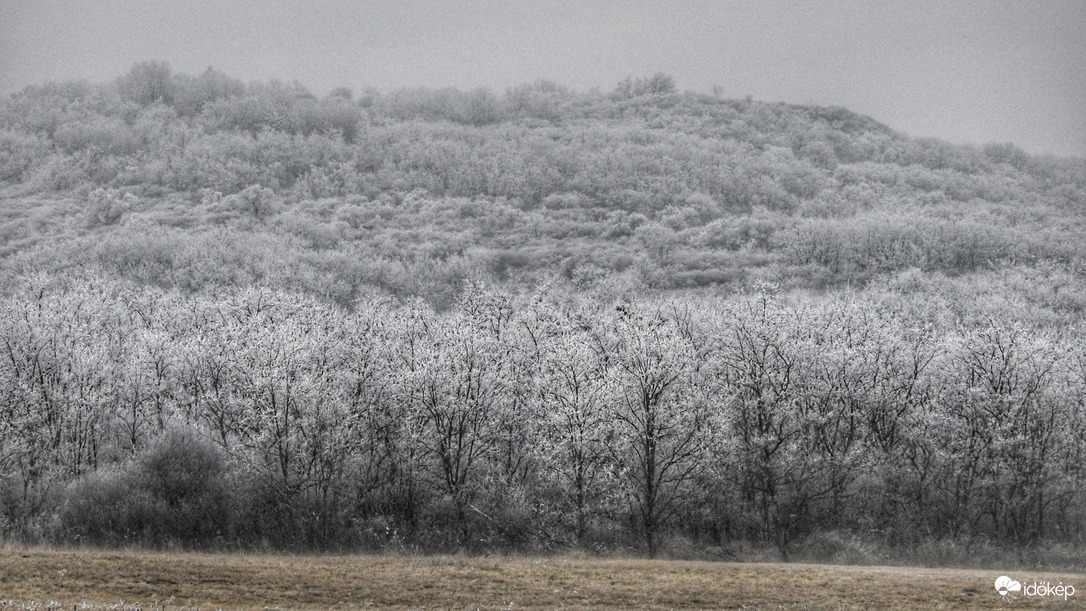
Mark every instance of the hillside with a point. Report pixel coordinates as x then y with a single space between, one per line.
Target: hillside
414 191
237 314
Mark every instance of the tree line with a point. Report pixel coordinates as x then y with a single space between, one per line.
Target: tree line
542 420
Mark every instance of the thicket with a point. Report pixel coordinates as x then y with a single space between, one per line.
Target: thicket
542 421
241 315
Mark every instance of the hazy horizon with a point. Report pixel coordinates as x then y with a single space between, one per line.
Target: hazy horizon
963 71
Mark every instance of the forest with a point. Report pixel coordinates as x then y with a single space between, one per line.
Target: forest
238 315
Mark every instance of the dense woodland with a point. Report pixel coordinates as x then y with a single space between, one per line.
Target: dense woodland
238 315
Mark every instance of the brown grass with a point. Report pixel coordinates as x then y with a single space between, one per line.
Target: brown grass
32 578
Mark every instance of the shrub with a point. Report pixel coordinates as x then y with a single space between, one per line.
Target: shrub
19 152
658 83
107 206
254 199
175 490
105 508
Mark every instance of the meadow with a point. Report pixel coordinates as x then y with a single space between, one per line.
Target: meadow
36 578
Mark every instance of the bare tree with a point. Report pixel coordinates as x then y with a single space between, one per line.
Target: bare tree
661 416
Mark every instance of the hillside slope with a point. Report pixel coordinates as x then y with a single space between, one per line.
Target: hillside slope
414 191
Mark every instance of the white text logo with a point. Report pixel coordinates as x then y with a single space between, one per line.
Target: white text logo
1005 585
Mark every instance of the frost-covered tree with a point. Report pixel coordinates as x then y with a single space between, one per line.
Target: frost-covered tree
660 411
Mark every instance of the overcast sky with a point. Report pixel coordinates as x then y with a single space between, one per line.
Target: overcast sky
967 71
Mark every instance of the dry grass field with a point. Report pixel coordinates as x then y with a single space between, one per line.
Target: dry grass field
34 578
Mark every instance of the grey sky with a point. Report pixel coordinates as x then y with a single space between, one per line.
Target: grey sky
962 70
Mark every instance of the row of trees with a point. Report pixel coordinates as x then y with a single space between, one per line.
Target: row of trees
537 421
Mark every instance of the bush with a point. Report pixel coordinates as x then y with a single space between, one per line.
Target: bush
254 199
19 152
107 206
105 508
175 490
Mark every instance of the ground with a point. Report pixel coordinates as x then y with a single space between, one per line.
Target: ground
35 578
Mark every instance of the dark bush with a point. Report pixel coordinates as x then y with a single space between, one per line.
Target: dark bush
175 490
